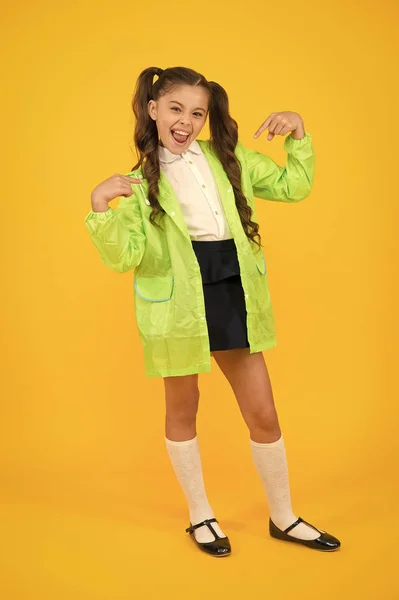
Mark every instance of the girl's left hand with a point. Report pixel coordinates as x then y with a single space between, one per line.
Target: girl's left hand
280 123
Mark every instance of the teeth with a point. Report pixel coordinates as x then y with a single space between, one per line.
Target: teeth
181 132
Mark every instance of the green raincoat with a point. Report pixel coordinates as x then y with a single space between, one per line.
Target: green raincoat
168 294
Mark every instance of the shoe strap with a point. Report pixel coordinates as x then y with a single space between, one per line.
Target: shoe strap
205 522
300 520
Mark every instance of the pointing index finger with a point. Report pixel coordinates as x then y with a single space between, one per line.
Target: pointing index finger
264 126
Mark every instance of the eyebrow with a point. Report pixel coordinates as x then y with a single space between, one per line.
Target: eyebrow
198 107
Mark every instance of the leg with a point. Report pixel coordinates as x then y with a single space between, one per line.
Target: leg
249 379
182 398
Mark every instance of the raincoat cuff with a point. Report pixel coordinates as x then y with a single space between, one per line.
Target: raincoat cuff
96 219
291 144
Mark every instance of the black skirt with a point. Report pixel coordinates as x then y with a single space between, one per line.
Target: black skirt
223 294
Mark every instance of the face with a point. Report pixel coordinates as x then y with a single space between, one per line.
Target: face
180 115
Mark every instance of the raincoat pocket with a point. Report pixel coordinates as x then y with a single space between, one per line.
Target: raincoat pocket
154 289
154 304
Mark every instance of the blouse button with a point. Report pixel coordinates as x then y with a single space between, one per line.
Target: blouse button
203 185
173 213
190 162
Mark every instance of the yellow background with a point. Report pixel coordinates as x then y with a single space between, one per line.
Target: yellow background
90 507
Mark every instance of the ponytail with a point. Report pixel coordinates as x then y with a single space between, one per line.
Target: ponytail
146 135
224 138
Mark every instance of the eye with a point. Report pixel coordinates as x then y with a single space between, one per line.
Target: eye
198 114
175 107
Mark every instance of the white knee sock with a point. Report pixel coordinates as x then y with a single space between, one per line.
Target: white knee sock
271 463
186 461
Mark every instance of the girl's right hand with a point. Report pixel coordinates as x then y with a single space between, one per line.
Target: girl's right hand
114 186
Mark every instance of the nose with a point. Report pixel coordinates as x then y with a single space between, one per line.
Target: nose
184 120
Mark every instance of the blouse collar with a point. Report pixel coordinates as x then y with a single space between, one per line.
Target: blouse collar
166 156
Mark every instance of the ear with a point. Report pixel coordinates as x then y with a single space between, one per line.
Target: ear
152 109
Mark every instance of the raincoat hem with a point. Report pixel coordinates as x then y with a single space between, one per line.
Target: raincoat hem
263 346
192 370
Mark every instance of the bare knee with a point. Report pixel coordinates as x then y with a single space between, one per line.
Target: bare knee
263 418
263 425
182 399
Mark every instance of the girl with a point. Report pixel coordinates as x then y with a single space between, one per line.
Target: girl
186 223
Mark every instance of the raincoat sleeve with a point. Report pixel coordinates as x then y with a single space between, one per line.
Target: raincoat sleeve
290 183
118 234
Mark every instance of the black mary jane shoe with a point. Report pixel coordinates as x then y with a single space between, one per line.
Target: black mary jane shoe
325 542
220 545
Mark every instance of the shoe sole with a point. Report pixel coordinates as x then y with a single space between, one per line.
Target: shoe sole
214 555
308 547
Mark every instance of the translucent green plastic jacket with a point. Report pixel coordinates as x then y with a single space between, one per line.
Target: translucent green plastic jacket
168 295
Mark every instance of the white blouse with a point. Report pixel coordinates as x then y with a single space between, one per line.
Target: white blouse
192 180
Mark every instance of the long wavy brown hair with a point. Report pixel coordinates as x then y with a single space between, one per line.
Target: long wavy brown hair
223 138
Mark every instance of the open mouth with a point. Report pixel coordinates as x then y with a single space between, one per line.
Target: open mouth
180 137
